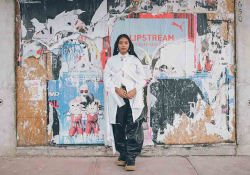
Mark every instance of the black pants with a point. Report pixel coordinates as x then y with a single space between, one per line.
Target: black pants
128 135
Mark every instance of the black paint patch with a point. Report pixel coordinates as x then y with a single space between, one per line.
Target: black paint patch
55 124
173 97
202 25
56 66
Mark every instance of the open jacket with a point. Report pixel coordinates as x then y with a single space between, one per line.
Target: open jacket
131 74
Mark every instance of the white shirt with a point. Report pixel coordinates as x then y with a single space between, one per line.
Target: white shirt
118 64
129 72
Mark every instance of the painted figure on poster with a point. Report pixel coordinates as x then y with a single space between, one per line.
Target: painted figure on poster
92 117
85 116
85 96
100 108
75 118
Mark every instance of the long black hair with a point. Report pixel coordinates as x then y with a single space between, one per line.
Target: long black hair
130 49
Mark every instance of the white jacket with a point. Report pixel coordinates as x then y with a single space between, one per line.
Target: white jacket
131 74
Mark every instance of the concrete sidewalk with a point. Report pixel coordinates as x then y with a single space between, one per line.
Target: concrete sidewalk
107 166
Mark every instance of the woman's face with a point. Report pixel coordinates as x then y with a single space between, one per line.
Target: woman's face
123 45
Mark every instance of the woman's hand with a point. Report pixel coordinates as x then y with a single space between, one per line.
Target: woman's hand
122 93
131 94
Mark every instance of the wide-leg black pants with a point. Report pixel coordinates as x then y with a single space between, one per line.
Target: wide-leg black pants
128 135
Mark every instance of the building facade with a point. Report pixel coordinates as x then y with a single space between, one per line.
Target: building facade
193 54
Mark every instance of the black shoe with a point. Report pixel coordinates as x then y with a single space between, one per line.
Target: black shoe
130 164
121 160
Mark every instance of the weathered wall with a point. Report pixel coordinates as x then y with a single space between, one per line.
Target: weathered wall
7 80
186 47
243 76
7 88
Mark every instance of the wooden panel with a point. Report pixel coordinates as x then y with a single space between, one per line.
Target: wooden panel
31 131
229 6
27 93
32 102
49 66
32 109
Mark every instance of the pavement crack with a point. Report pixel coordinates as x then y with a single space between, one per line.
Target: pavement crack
192 165
95 166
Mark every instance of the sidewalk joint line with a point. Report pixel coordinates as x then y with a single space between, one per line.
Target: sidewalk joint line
192 165
95 166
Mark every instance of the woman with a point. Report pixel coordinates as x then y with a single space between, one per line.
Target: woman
124 79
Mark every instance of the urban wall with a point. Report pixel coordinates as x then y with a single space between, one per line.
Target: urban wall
186 47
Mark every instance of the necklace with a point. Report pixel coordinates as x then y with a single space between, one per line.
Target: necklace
122 57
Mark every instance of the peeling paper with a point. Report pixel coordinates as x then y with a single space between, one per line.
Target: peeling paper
38 26
35 89
23 29
100 12
25 125
204 59
31 49
65 21
178 58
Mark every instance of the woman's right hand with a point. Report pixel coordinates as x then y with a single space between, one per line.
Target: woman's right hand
122 93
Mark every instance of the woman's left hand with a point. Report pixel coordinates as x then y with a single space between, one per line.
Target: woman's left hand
131 94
